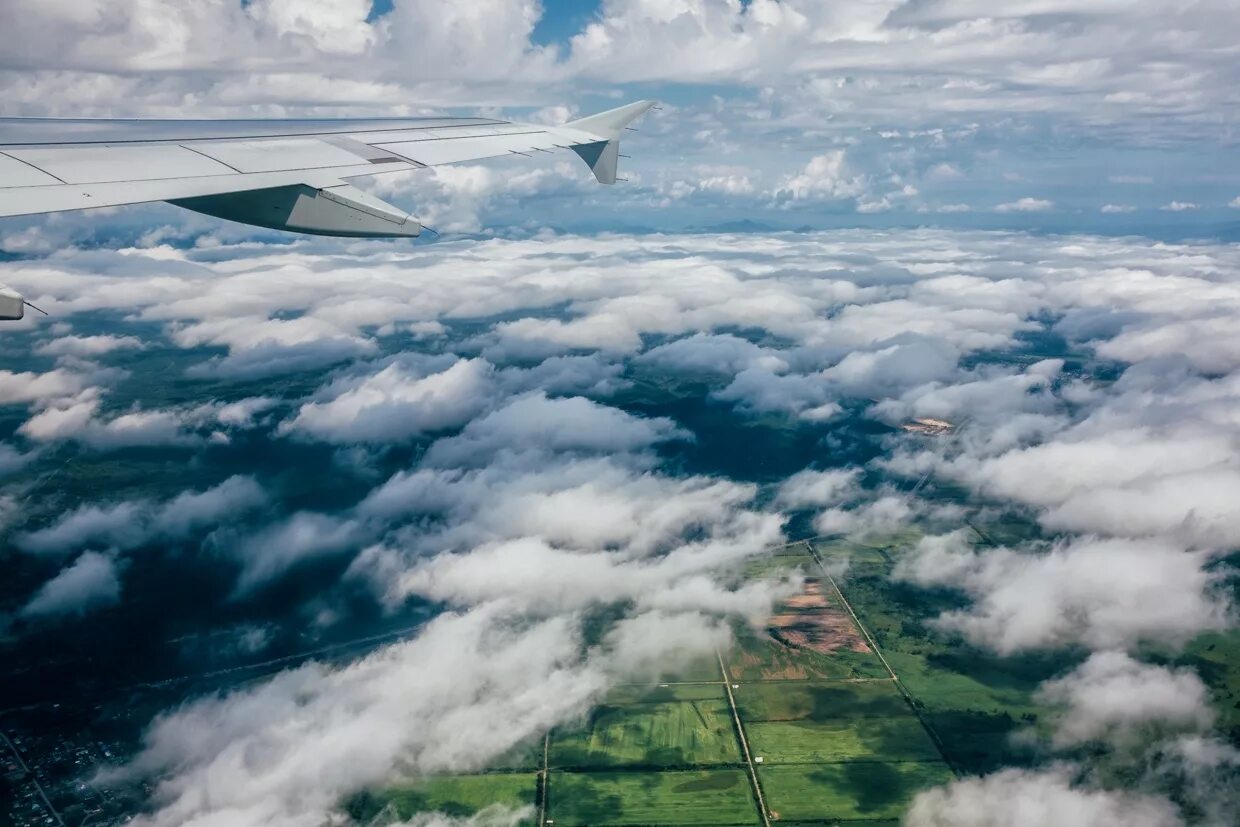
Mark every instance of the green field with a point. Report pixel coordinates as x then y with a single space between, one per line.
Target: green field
974 700
786 701
714 797
672 734
857 739
850 791
454 795
633 693
839 740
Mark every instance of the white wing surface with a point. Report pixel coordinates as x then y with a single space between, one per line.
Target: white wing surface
290 174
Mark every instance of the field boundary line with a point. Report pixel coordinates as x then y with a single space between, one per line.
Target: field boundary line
908 697
744 742
542 796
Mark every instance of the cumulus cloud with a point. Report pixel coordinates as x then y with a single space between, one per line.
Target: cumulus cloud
280 546
817 489
262 756
88 346
527 500
825 177
130 524
396 403
1099 592
1027 798
1025 205
1113 696
88 583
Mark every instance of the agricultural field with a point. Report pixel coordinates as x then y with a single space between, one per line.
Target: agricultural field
714 797
974 701
900 738
849 705
673 734
850 791
454 795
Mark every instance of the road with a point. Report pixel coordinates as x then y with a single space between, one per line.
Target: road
873 644
740 734
33 779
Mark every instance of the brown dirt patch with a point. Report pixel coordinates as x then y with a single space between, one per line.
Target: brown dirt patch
809 621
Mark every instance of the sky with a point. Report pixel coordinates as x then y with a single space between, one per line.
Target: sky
538 449
1102 116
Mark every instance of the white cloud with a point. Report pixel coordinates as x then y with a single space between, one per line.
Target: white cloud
88 346
396 403
1179 206
1026 205
130 524
1103 593
88 583
825 177
1029 798
283 545
818 489
534 506
1114 697
1117 208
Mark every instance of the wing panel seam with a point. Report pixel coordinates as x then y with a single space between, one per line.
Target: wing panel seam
211 158
178 141
38 168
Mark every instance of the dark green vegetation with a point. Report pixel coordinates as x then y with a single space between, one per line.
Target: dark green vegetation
676 734
973 701
715 797
818 701
455 795
847 791
1216 657
841 741
899 738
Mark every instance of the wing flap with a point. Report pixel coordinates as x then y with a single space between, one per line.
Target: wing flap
31 200
101 163
455 150
15 173
276 154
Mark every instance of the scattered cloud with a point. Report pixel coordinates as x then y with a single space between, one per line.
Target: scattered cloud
1115 697
1026 798
1026 205
88 583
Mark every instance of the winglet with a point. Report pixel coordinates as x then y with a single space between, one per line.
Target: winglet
608 125
603 155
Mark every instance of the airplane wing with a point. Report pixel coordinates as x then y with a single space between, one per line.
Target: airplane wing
284 174
250 170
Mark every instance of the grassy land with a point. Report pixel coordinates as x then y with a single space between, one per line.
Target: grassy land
974 700
631 693
455 795
673 734
714 797
786 701
866 739
857 790
839 741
